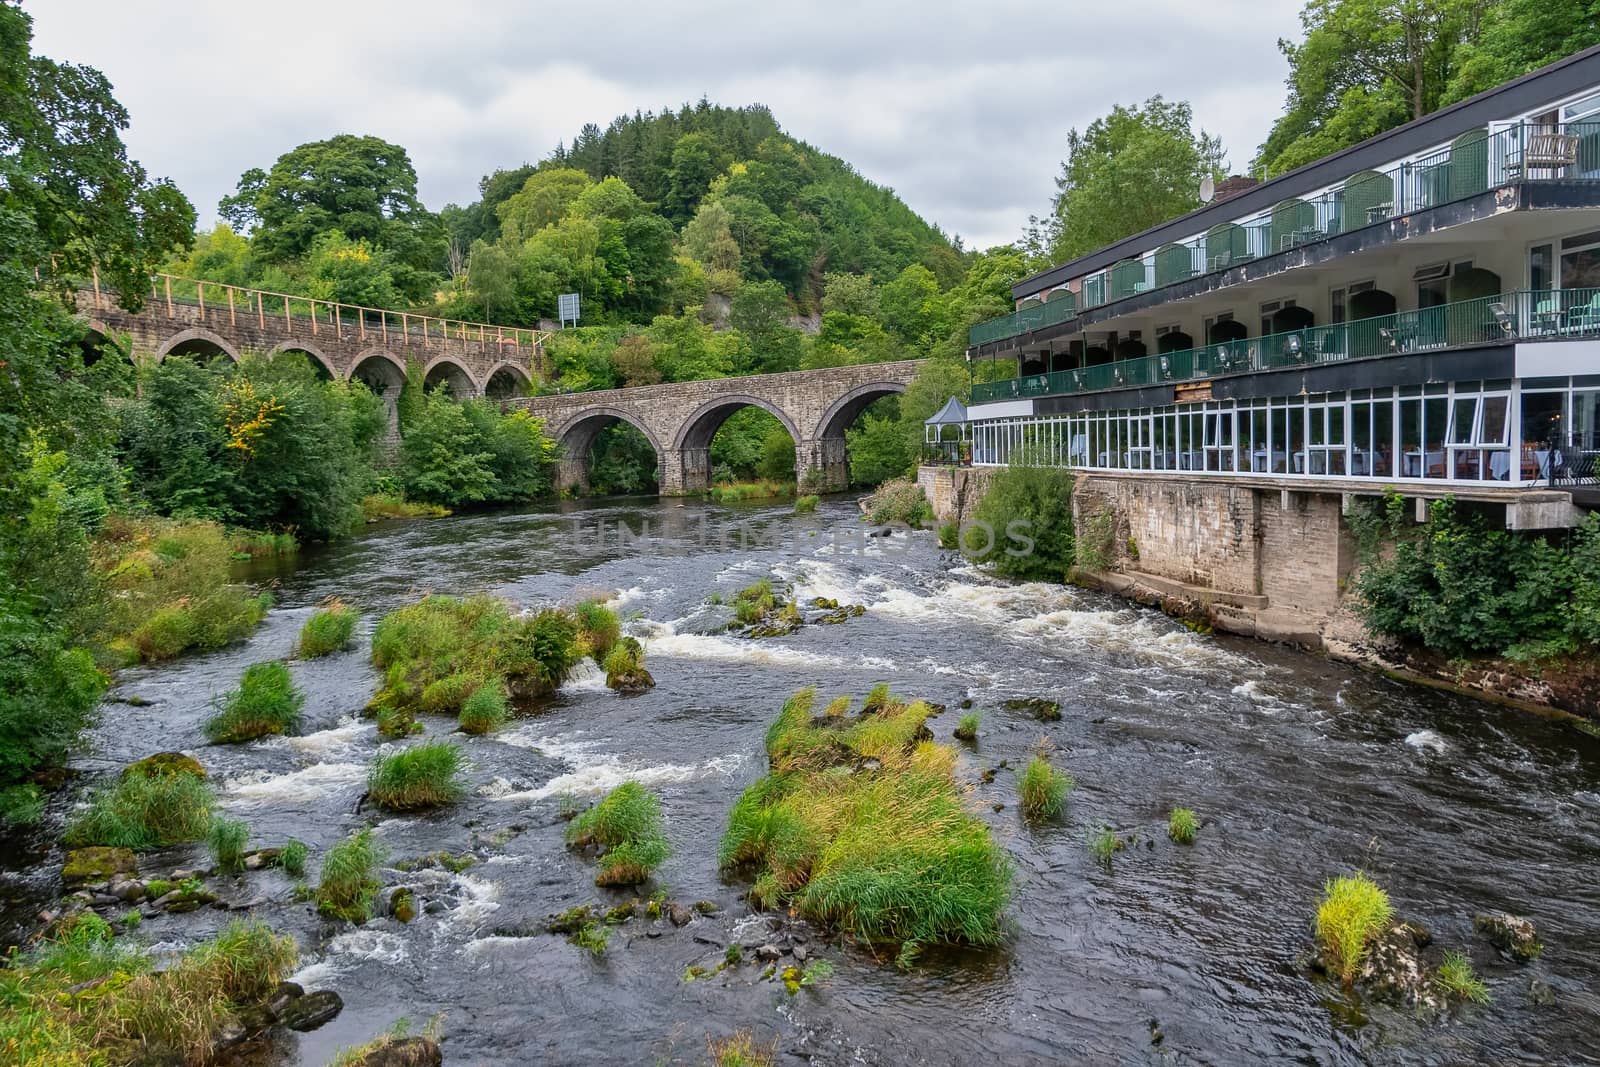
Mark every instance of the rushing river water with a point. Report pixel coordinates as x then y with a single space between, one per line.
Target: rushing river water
1300 769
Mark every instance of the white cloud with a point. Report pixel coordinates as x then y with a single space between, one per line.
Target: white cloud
962 109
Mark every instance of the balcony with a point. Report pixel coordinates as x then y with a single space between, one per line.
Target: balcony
1473 163
1527 315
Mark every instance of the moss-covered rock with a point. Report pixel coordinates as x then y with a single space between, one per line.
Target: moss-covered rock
1036 708
1511 934
89 866
164 765
403 904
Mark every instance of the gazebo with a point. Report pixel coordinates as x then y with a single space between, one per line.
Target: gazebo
954 413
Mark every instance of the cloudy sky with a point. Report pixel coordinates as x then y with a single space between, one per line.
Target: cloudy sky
961 108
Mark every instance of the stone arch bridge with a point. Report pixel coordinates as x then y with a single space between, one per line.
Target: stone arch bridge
680 419
208 319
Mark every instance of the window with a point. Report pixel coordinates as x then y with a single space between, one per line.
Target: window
1540 258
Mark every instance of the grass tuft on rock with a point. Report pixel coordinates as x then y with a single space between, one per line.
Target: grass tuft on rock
485 710
83 998
328 630
267 702
1458 980
627 824
1042 789
140 811
349 885
425 775
1353 912
292 858
807 504
624 667
599 628
1182 826
227 840
967 728
740 1050
860 824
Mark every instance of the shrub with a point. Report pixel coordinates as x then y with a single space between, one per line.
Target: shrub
136 1013
1354 910
328 630
899 500
890 853
292 858
598 629
1023 524
144 812
485 709
227 840
349 885
422 776
1042 789
266 702
395 506
967 728
466 641
1181 826
627 824
949 535
807 504
1457 979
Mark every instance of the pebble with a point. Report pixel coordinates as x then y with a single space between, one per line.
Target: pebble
800 953
767 953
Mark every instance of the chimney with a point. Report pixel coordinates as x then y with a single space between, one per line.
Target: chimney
1232 186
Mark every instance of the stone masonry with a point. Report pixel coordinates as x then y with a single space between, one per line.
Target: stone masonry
680 419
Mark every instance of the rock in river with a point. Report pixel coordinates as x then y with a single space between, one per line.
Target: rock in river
1511 934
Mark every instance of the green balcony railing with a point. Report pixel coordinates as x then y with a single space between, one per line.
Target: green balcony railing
1473 163
1523 315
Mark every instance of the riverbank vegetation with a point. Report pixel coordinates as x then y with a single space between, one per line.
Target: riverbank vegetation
1042 789
85 997
1459 587
625 827
144 809
267 702
900 500
1022 528
860 824
328 630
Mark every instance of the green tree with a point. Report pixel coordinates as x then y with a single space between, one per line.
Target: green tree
911 306
1365 66
492 277
850 294
1517 36
760 312
445 458
543 200
1152 148
635 361
350 272
363 187
696 160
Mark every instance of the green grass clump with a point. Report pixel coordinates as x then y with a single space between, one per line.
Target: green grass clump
227 839
740 1050
145 811
598 629
1042 789
886 851
807 504
1458 980
387 1048
735 492
755 602
593 936
949 535
627 823
1353 912
624 667
349 886
422 776
292 858
1104 844
967 728
328 630
168 589
394 506
84 999
462 642
485 710
266 702
1182 826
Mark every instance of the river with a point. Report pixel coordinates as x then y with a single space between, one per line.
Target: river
1300 769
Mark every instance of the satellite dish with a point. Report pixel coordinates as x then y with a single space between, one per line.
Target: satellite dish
1208 189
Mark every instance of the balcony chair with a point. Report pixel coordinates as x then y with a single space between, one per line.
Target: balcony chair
1585 318
1549 152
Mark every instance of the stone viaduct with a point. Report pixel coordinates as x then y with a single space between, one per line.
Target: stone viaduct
209 319
680 419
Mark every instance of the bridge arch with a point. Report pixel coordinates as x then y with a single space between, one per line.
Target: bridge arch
577 435
196 341
505 379
700 427
452 373
843 412
97 339
316 355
